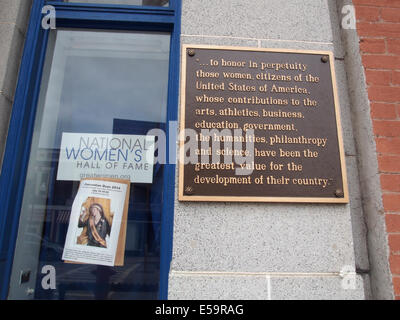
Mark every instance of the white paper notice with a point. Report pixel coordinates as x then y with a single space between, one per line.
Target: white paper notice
118 156
95 223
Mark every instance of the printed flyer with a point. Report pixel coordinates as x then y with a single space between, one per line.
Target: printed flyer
97 225
118 156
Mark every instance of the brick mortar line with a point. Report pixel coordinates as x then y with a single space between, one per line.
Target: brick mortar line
389 154
378 22
378 38
380 101
381 21
375 6
389 85
380 69
380 54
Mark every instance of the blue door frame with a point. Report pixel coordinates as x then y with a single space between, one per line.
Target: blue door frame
16 156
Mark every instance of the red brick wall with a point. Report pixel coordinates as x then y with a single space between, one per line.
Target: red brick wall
378 25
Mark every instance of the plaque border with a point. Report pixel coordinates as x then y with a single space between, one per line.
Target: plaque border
182 106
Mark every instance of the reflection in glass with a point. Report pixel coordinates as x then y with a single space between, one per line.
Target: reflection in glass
93 82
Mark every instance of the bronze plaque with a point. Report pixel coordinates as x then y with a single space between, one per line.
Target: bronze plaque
260 125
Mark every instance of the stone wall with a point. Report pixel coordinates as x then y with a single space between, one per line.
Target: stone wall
14 15
277 251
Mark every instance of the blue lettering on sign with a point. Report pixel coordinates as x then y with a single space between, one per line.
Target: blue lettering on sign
138 155
100 155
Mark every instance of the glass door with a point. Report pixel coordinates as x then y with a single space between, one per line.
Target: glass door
94 83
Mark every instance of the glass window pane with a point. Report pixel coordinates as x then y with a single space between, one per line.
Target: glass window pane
94 82
157 3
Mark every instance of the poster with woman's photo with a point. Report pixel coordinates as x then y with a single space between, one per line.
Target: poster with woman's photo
97 223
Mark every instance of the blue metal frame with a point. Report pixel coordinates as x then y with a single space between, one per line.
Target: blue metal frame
15 163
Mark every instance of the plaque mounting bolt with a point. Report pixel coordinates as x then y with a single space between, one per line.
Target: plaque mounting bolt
189 190
339 193
191 52
325 59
